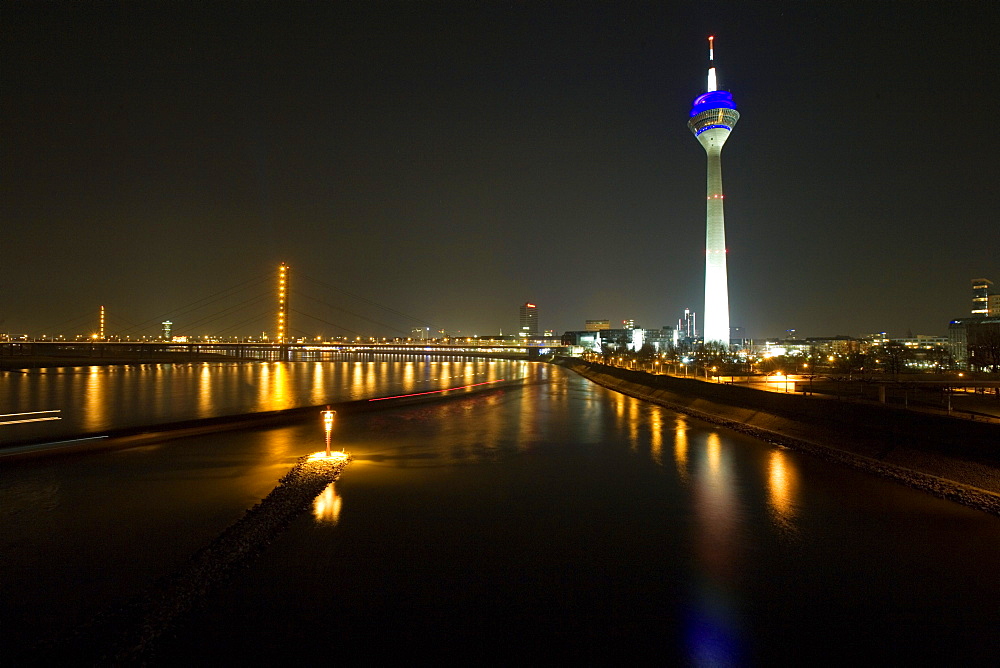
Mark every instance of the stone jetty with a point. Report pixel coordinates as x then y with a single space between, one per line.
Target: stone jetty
126 635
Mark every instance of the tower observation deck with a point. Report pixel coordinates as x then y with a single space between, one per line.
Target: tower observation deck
713 116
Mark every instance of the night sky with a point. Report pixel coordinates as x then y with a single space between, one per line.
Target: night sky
450 161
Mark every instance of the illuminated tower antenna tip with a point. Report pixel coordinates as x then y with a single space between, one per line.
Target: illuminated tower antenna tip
712 84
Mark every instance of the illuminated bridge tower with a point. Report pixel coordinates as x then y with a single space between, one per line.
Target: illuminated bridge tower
282 325
713 115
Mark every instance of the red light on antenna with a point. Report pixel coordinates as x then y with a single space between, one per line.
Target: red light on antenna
711 37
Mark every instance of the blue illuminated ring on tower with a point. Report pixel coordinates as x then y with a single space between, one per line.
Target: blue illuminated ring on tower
713 99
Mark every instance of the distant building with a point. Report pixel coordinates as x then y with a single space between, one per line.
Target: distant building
528 320
597 325
167 328
420 333
662 338
974 343
628 324
993 305
983 344
958 342
687 326
981 290
738 336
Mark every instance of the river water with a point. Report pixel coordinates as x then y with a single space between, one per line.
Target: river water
90 399
557 520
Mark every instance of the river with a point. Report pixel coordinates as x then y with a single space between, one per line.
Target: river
558 520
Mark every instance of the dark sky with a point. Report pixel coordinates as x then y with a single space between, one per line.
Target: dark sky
450 161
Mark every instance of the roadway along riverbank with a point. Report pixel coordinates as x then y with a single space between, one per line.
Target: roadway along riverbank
947 457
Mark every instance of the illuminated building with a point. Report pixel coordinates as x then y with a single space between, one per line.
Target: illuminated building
713 115
688 325
528 320
167 327
981 289
597 325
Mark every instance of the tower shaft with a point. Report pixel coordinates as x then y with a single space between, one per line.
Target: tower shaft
716 314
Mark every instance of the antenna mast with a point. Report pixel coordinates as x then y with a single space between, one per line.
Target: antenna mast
711 65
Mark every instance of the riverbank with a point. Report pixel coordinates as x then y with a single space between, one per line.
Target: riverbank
947 457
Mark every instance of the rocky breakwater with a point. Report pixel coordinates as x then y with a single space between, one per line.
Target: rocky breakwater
948 457
128 634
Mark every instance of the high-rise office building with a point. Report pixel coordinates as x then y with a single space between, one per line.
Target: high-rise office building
713 115
529 320
688 325
981 290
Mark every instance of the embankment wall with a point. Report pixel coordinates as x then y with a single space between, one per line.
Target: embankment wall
949 457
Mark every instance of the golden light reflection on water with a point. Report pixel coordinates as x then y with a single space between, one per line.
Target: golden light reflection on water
318 390
371 379
656 435
95 408
527 425
681 446
633 424
717 511
205 391
326 506
281 443
409 376
714 451
357 378
782 483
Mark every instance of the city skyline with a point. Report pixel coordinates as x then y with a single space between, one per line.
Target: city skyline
445 160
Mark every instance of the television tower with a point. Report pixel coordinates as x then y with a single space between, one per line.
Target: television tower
713 115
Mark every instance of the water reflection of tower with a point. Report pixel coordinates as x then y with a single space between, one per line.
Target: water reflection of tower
713 115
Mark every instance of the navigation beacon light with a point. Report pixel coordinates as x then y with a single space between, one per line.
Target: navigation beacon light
328 426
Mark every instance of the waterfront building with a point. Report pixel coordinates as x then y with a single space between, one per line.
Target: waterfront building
528 320
981 290
713 116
